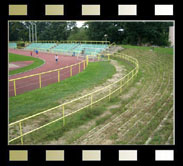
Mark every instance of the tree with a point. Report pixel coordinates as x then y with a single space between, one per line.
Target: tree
18 31
78 34
134 33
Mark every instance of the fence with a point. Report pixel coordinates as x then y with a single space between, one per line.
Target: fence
67 41
85 42
71 107
56 74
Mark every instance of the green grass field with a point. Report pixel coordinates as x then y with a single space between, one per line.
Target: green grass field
158 50
141 114
32 102
14 58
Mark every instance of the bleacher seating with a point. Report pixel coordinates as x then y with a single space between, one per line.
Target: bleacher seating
65 47
40 46
89 49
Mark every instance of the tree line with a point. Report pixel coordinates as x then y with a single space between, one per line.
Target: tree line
133 33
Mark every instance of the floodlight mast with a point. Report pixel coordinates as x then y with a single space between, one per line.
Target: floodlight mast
35 32
33 38
32 32
106 37
29 34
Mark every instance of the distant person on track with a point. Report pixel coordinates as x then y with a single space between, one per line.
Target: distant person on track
36 52
56 58
31 53
73 54
83 52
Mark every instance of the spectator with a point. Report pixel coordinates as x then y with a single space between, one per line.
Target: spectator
56 58
36 52
73 54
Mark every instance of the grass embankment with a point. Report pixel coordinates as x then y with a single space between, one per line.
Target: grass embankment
144 116
47 97
152 102
15 57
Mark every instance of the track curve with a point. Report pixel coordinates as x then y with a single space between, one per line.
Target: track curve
32 83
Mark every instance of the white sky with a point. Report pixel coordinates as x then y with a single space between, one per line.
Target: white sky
80 23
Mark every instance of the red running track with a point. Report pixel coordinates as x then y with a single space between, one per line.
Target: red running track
28 84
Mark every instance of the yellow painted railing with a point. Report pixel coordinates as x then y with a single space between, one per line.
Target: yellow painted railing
74 41
84 62
68 52
87 100
67 41
65 51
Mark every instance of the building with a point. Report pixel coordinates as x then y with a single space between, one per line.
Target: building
171 36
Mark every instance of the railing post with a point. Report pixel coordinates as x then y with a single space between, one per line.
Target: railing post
40 80
58 75
71 71
91 100
63 115
84 65
87 61
79 67
15 92
20 127
129 76
121 86
133 73
127 79
109 94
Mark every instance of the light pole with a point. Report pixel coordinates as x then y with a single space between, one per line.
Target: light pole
121 31
105 37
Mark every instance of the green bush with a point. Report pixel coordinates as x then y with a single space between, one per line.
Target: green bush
20 44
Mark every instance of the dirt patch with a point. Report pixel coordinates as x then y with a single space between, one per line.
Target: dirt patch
120 72
107 142
19 64
112 50
77 132
129 94
114 106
